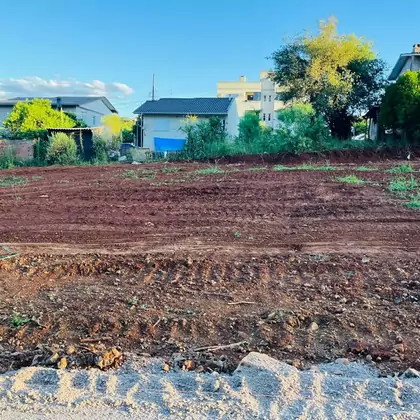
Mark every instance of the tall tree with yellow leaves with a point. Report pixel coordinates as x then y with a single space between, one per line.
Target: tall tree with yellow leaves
340 75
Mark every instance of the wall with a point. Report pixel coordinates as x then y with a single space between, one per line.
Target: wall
23 148
239 90
92 112
169 126
4 112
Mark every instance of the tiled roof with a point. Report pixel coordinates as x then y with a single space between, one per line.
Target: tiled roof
186 106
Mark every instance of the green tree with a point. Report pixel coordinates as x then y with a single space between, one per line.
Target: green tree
400 108
301 129
34 115
250 128
339 75
116 124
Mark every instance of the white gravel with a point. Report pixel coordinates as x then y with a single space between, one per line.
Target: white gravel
261 388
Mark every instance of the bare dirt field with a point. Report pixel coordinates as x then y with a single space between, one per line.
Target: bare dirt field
165 259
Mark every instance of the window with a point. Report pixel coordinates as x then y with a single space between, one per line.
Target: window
263 117
253 96
269 117
94 120
224 124
265 98
269 98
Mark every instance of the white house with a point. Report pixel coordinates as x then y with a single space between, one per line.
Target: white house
162 119
406 62
261 96
90 109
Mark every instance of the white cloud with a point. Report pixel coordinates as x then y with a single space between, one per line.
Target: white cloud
36 86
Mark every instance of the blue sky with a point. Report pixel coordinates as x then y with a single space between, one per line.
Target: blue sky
113 47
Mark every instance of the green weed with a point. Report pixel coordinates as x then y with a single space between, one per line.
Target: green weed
326 168
173 169
36 178
404 168
10 181
402 185
351 179
209 171
414 202
237 235
260 168
17 321
365 169
278 168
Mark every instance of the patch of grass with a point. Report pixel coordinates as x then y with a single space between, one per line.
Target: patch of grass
237 235
17 321
402 185
365 169
278 168
351 179
36 178
414 202
143 174
173 169
304 167
256 169
209 171
10 181
326 168
404 168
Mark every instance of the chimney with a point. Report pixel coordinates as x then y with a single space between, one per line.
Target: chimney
416 48
242 79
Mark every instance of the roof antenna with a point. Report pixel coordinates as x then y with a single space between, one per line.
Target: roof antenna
153 88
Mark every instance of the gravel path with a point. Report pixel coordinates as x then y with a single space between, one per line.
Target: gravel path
261 388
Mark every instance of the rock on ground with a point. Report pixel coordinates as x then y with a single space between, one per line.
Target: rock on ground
260 388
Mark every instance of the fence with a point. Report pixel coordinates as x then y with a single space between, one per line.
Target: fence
22 149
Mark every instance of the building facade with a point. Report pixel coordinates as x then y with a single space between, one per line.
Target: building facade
89 109
406 62
261 97
162 120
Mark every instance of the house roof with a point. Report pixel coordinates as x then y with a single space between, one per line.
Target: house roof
186 106
400 65
65 101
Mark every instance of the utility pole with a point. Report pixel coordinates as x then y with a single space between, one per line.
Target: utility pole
153 88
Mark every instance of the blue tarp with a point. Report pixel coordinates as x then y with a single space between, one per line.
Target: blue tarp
168 145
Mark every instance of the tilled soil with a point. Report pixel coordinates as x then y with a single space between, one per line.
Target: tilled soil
164 260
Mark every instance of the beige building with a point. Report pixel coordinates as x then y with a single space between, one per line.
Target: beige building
258 96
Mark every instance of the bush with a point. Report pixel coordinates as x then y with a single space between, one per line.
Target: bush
41 150
203 138
100 150
62 150
250 128
7 158
301 129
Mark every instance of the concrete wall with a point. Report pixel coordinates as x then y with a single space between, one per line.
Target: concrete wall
22 148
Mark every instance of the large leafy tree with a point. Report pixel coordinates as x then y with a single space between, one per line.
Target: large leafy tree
34 115
400 108
339 75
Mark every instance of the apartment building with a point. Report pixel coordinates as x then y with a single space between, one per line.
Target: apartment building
261 96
